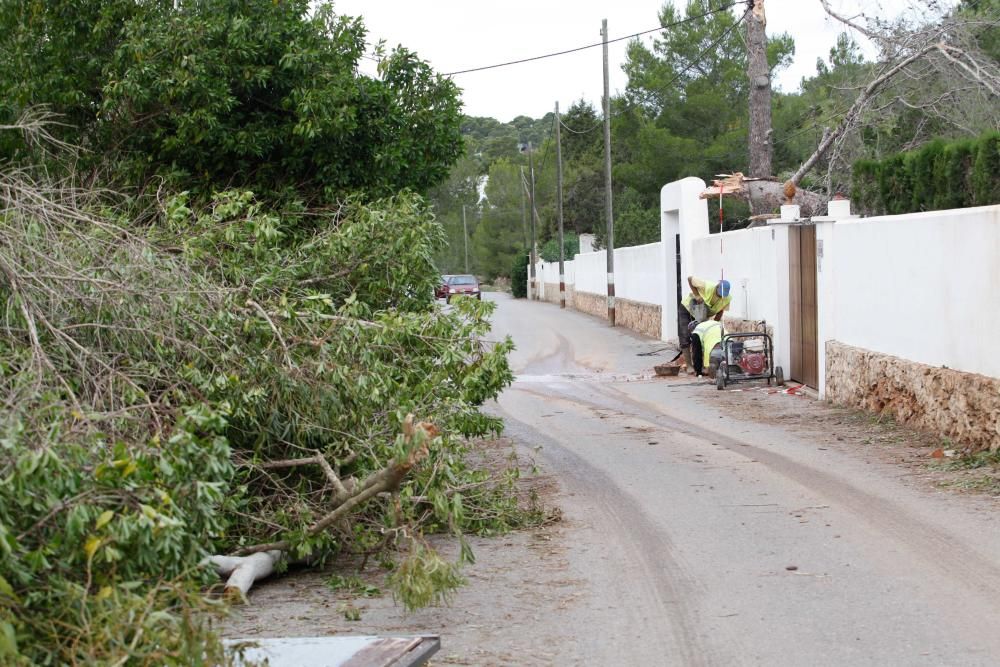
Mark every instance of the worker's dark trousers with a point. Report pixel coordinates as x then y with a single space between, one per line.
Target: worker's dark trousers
684 321
697 354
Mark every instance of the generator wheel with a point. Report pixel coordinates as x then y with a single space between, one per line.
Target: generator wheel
779 376
720 379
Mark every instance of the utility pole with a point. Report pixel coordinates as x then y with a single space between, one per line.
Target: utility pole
465 235
559 212
524 215
607 179
531 214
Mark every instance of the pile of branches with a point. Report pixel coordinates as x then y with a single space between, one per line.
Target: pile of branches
223 380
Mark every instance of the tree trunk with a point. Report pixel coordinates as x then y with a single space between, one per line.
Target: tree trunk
760 95
768 196
243 571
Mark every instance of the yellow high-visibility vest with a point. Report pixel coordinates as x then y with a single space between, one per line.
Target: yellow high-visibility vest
710 333
707 292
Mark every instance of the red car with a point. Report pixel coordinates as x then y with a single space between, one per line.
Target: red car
441 291
465 285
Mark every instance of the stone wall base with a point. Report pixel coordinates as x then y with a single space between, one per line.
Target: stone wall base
641 317
638 316
964 407
592 304
733 325
552 294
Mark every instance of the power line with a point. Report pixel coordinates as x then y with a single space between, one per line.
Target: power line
694 61
590 46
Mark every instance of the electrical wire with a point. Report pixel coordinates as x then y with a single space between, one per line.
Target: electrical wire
676 78
590 46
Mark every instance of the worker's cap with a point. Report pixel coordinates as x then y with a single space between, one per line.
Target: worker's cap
723 288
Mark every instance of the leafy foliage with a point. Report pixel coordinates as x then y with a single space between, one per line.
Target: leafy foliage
550 251
219 366
424 578
215 94
519 276
151 375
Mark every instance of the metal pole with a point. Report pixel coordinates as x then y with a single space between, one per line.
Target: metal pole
607 179
559 212
531 214
465 235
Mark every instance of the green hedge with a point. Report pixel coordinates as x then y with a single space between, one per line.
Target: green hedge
519 276
937 176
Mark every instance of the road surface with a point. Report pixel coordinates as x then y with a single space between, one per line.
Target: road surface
704 539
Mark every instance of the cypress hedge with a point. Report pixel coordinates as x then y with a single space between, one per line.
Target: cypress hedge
939 175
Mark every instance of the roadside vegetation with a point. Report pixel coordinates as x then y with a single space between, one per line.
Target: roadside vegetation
219 335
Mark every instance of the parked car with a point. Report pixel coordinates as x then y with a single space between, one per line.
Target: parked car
463 284
441 291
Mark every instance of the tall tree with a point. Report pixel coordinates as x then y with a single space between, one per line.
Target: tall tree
583 175
460 189
500 235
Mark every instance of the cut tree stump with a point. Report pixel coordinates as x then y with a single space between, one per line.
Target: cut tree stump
243 571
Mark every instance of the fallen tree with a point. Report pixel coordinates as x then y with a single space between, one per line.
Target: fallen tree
225 379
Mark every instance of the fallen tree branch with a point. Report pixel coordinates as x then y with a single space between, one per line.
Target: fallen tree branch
254 562
277 333
855 110
319 460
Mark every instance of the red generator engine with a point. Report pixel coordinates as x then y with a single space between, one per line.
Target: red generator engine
747 356
752 359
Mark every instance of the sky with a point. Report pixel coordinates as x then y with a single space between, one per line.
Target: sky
454 35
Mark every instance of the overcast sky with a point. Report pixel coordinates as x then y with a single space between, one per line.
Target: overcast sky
455 35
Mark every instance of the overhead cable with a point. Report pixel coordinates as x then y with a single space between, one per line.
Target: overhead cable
695 61
591 46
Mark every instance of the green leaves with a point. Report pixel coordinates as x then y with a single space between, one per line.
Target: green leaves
257 95
424 578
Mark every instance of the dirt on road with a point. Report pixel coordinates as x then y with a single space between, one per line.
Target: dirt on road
515 607
690 526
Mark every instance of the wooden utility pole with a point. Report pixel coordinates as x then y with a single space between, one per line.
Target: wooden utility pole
559 212
607 179
465 236
759 73
524 215
531 214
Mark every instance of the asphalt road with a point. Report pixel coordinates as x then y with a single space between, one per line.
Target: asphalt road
704 539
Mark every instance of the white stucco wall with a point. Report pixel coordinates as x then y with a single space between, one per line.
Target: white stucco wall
639 273
548 273
591 273
923 286
755 262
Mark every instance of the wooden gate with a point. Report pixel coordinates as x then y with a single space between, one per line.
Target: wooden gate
802 285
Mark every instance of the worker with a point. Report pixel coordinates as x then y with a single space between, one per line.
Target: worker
705 337
707 299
